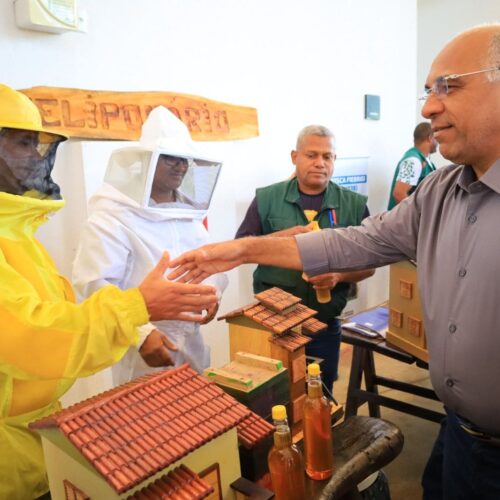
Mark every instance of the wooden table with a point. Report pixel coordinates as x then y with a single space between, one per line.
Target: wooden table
363 365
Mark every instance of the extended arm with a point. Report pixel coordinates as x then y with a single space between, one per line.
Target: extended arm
72 340
196 265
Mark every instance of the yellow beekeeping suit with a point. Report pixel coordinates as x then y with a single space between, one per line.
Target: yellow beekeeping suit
46 340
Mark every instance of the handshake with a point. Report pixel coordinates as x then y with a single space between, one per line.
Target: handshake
180 295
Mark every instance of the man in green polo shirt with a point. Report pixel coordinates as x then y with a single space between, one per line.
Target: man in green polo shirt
414 165
309 200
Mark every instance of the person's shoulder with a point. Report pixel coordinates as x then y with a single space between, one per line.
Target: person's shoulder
411 155
277 186
447 171
442 177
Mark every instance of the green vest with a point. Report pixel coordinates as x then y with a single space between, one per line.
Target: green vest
279 208
427 168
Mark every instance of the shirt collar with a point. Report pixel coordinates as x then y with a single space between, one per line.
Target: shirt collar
490 179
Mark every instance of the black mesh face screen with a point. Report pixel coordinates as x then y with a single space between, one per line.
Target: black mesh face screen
26 163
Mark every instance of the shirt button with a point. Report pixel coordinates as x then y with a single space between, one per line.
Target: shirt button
452 328
462 273
472 219
450 382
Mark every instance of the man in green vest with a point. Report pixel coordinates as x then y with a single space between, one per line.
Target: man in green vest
414 165
308 201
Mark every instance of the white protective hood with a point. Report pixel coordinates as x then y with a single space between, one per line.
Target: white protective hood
165 173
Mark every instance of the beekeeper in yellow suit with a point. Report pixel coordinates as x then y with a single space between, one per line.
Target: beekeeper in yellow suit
46 340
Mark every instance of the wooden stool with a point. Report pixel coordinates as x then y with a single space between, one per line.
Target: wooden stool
361 446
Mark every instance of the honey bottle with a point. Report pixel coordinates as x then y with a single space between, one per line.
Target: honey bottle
318 446
285 461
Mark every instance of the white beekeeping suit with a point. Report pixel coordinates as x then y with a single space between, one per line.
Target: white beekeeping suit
154 198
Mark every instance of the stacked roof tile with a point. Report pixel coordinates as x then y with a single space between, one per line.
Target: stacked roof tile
137 429
277 300
290 342
179 484
312 326
288 325
278 323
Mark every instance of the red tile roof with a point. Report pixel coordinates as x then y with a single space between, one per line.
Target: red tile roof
180 483
137 429
312 326
253 429
277 300
277 323
278 311
291 341
237 312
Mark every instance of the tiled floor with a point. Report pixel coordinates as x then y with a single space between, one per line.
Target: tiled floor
405 472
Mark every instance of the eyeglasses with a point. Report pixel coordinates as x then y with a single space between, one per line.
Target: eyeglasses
440 85
174 161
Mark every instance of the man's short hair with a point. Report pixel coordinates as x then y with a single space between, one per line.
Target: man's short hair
422 132
318 130
494 55
491 58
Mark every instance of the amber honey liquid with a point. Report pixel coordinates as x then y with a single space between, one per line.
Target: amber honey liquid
318 446
287 468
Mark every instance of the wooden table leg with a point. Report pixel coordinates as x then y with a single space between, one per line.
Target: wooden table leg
370 382
355 377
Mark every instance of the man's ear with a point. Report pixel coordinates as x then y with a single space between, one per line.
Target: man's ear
293 155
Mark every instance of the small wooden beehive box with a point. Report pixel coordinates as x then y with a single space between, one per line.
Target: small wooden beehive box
256 381
274 327
406 326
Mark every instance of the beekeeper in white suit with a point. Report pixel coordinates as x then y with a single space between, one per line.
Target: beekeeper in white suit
154 198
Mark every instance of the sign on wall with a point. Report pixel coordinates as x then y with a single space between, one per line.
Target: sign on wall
95 114
352 173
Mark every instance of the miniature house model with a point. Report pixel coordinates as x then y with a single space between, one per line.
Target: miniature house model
406 328
168 433
274 327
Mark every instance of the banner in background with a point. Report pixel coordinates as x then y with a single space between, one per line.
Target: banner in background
352 173
96 114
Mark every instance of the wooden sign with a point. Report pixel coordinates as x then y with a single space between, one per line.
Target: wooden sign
119 115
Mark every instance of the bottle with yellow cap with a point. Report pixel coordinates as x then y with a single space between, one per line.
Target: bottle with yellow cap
318 446
285 461
323 295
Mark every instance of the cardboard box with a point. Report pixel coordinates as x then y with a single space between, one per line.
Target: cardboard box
406 326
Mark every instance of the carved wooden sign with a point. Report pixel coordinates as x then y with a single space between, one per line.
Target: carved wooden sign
119 115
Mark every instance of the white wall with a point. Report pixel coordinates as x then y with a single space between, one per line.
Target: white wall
298 62
440 21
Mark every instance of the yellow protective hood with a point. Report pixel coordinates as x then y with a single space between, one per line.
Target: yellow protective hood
23 214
